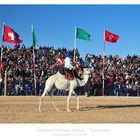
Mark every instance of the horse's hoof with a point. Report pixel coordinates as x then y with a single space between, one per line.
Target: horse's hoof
69 111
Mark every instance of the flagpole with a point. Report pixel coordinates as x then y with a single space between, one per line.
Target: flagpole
103 72
1 51
75 43
5 83
34 69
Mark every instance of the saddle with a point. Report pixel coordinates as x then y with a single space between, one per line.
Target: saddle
69 74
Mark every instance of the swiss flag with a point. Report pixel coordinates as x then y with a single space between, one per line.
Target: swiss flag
110 37
9 35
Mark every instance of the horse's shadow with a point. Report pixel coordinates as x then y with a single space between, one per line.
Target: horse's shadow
107 107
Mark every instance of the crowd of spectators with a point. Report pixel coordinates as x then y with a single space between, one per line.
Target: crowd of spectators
18 65
122 76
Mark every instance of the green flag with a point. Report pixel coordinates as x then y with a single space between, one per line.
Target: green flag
81 34
34 37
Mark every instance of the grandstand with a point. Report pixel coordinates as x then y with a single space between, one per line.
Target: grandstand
122 76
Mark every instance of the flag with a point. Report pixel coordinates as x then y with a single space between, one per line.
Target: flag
81 34
9 35
110 37
34 37
59 61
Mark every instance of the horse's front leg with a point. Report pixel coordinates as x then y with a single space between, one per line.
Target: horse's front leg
68 101
78 100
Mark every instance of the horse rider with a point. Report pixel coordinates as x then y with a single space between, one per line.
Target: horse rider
68 67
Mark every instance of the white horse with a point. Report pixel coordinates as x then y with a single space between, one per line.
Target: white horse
60 82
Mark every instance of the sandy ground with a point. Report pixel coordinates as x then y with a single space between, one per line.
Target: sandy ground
92 110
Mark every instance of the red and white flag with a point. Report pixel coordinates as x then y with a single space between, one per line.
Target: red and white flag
110 37
9 35
60 62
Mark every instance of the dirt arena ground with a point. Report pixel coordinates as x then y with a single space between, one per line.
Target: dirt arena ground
92 110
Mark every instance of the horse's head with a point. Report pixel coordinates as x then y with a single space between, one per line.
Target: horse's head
87 71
